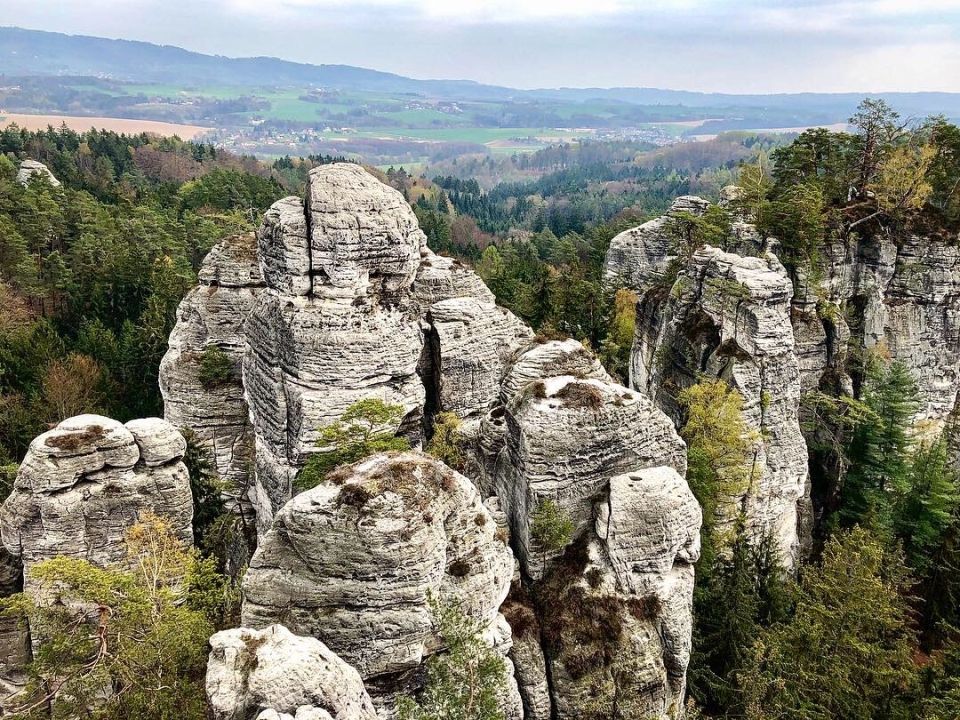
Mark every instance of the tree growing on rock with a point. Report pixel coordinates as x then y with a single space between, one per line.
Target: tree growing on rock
720 452
445 445
551 528
121 642
464 683
215 368
365 428
880 449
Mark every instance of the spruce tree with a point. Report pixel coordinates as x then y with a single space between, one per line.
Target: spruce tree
879 452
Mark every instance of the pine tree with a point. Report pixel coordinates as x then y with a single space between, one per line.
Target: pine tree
846 653
880 449
928 503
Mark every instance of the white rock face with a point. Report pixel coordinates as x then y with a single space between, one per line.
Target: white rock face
31 168
272 673
79 489
473 342
212 315
361 231
610 461
84 483
905 295
353 294
566 446
353 563
729 316
638 258
442 278
355 306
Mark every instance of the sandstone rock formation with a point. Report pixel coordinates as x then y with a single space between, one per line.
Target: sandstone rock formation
78 490
638 258
84 483
32 168
728 316
358 307
272 673
355 562
210 317
563 431
355 306
902 296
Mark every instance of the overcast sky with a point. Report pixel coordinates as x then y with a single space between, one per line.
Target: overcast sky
721 45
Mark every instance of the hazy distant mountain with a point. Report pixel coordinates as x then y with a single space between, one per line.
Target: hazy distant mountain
33 52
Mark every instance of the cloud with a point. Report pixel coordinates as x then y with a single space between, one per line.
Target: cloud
467 12
721 45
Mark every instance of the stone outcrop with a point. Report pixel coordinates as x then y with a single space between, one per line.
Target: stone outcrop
638 258
728 316
732 315
210 319
81 486
355 306
610 462
355 562
84 483
901 295
30 169
272 673
358 307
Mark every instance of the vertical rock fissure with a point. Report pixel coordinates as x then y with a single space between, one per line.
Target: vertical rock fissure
309 217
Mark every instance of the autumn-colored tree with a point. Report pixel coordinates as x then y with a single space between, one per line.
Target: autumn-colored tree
720 455
71 386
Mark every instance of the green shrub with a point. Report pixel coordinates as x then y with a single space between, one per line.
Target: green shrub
216 367
552 528
445 445
365 428
466 681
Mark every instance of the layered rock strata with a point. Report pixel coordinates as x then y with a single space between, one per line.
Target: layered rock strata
728 316
210 320
358 307
84 483
355 306
272 673
639 257
562 432
357 561
81 486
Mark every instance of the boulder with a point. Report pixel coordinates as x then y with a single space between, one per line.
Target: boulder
272 673
84 483
30 169
355 562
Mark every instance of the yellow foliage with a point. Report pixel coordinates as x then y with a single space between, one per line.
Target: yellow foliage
902 183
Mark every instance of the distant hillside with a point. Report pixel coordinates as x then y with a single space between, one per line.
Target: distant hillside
32 52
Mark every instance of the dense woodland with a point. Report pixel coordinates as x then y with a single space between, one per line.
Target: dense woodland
92 274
